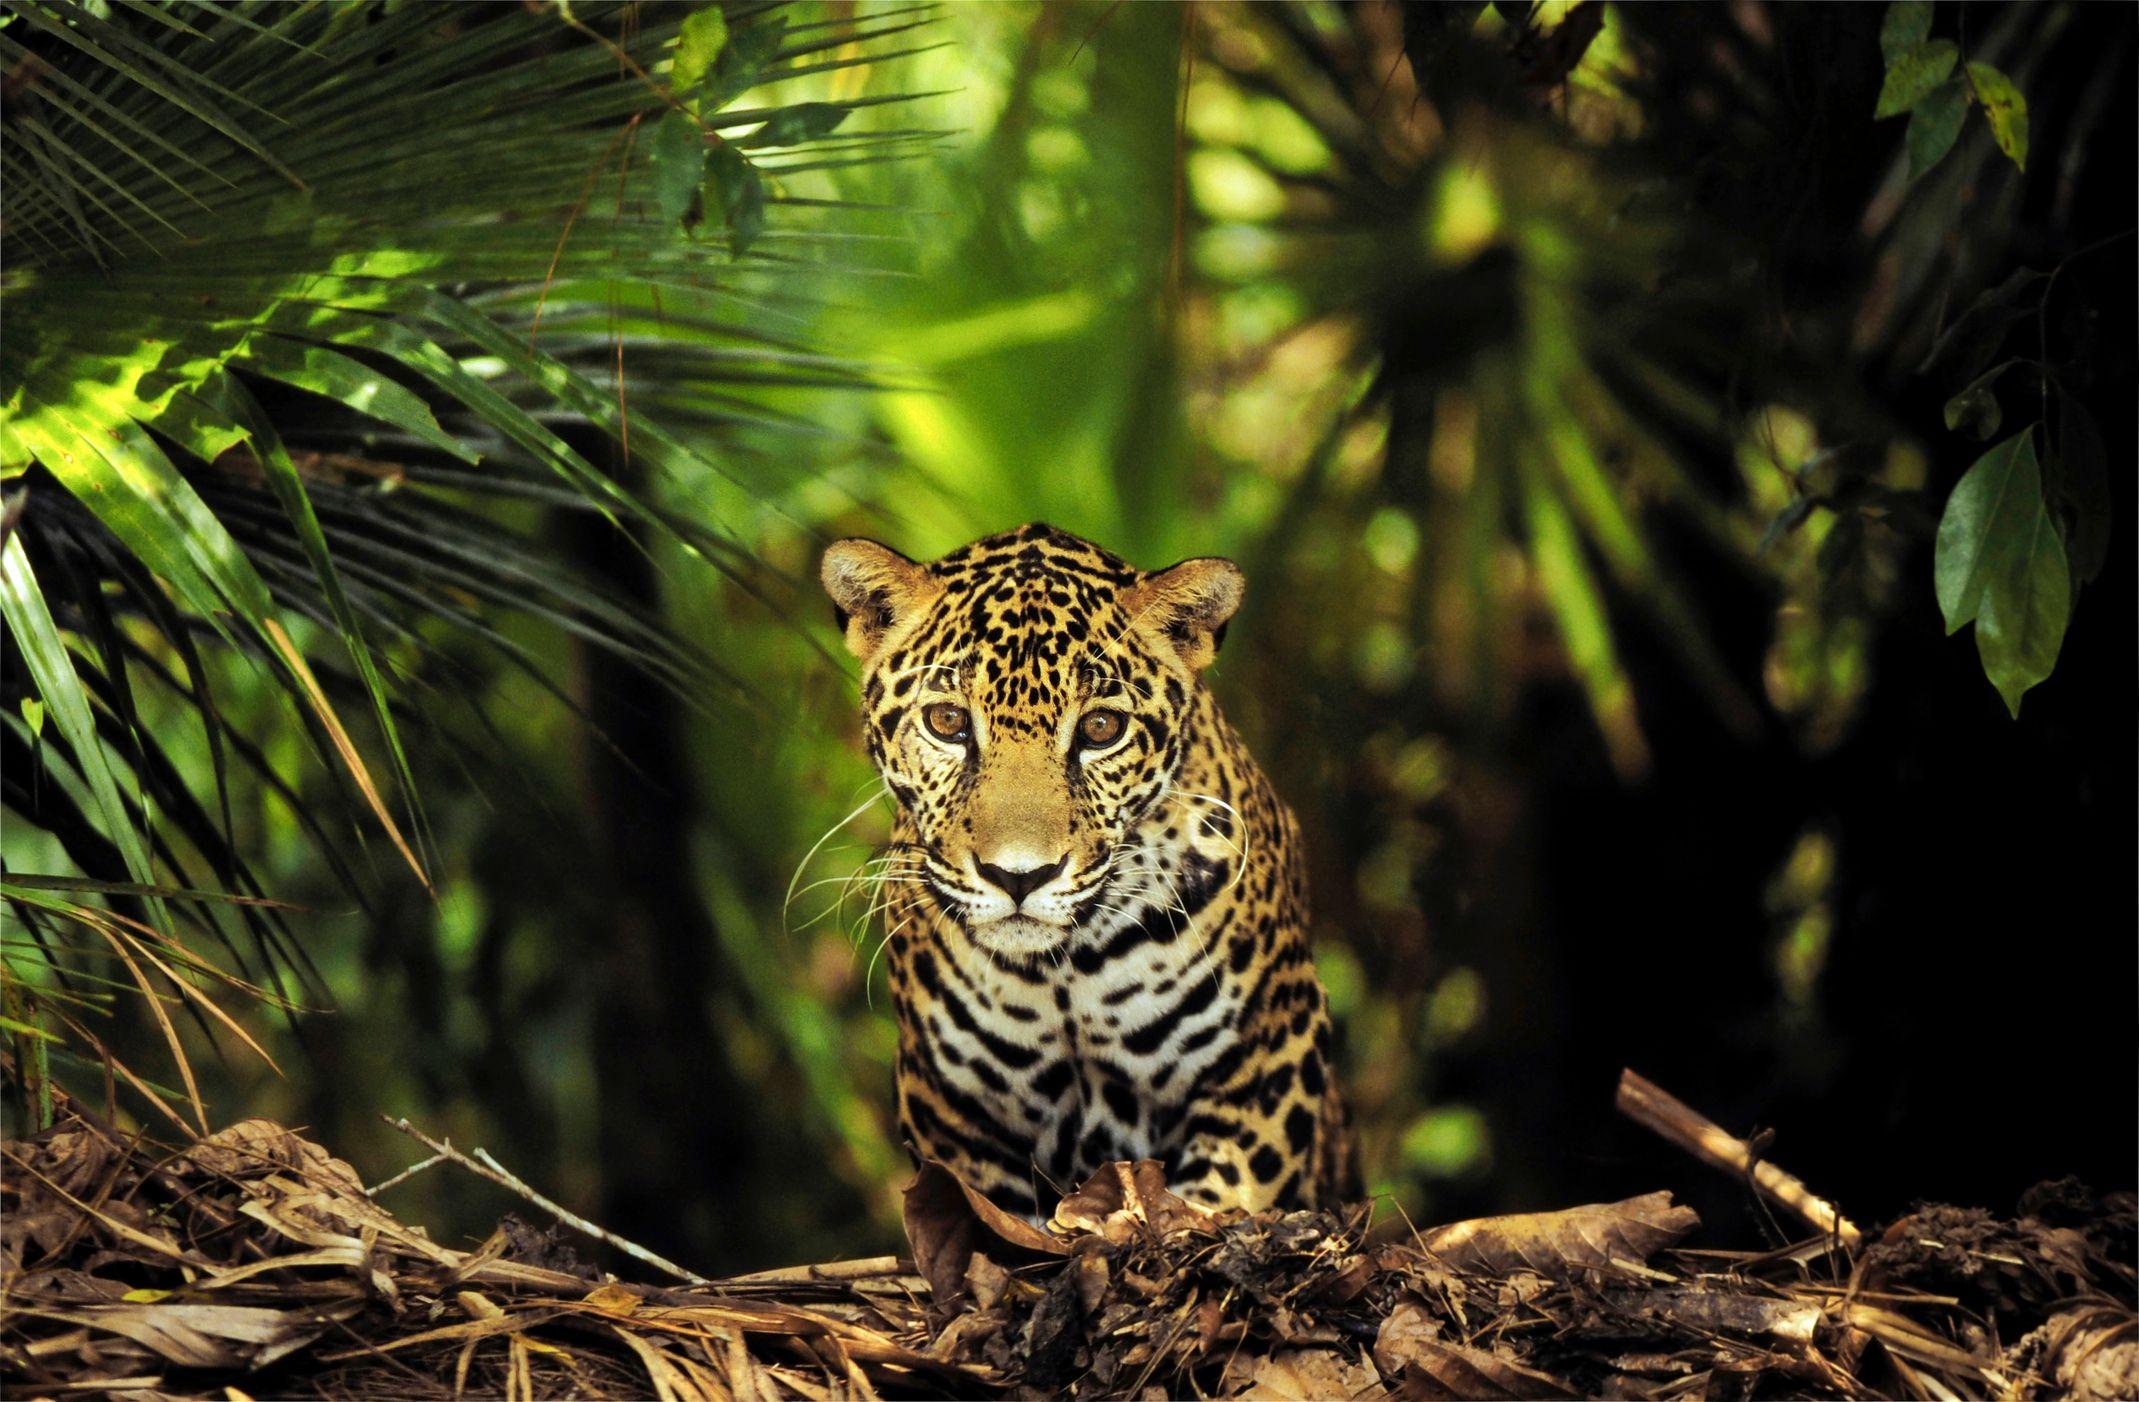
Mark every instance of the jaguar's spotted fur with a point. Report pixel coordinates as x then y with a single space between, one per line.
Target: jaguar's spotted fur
1097 910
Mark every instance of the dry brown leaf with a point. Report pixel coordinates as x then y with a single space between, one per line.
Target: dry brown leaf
1433 1370
1405 1324
985 1281
1092 1275
1121 1200
1316 1374
615 1299
256 1148
1556 1244
947 1221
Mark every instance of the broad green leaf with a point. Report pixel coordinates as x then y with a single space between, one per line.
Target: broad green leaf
677 158
734 185
1999 563
1915 75
1907 24
1935 124
698 43
2022 626
2006 108
1989 506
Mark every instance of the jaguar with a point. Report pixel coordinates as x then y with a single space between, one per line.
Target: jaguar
1095 904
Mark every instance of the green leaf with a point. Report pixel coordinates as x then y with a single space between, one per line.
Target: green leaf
2006 109
59 686
33 714
805 121
698 43
1975 410
351 383
1912 77
752 47
678 160
1935 125
289 489
735 185
1999 563
1907 24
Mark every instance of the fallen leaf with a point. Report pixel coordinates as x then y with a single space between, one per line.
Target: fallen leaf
1407 1324
1122 1198
985 1281
254 1148
947 1220
1433 1370
1311 1373
1557 1243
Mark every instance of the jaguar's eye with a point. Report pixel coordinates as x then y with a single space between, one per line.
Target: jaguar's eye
1100 729
946 721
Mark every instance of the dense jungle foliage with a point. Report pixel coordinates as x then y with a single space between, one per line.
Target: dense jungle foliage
1681 457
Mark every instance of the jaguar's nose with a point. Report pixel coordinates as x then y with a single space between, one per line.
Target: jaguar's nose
1019 884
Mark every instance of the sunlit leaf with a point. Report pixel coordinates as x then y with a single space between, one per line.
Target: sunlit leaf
2006 109
699 42
351 383
52 671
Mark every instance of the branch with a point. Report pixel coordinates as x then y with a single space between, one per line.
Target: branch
1655 1108
484 1166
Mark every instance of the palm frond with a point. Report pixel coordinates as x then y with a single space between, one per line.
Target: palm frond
303 302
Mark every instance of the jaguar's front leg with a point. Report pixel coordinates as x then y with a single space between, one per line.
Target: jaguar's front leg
1248 1152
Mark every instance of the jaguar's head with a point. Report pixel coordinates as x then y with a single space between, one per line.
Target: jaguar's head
1027 699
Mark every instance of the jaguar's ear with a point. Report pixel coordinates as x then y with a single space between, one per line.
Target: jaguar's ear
1188 605
872 587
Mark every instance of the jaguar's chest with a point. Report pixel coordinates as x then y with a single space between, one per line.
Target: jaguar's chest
1107 1038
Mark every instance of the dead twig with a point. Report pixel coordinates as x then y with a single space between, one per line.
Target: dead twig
404 1175
484 1166
1651 1106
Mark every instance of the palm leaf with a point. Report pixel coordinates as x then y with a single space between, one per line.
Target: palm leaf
246 242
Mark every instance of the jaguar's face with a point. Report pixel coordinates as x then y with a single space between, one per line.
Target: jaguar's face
1026 699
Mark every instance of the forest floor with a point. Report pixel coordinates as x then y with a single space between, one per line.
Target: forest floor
255 1264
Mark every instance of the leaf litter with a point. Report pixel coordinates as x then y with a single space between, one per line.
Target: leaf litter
253 1263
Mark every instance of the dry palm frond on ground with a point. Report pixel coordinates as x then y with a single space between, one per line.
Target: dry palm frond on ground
254 1263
